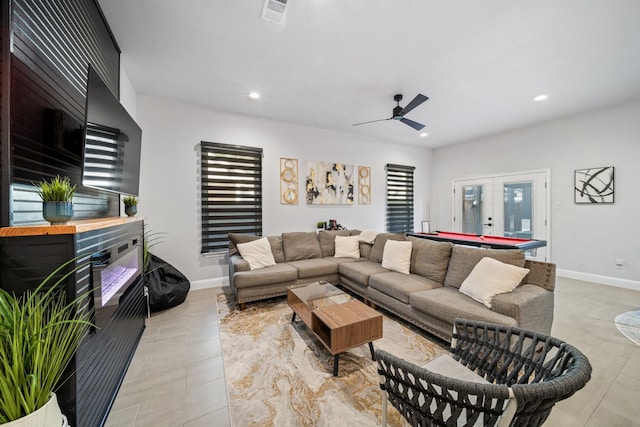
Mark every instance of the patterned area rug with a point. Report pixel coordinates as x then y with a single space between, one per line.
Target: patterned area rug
629 325
279 374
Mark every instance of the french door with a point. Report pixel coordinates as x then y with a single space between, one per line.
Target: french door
505 205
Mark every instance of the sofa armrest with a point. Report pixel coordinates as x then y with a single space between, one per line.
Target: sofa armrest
530 305
236 263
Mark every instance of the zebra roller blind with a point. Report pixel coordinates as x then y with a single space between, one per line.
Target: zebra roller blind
231 192
399 198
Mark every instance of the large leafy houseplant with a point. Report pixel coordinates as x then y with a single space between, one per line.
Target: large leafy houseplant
39 335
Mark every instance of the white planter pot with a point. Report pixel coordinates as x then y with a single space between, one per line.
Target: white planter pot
47 416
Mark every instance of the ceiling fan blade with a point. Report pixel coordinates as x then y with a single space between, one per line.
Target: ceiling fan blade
415 125
419 99
372 121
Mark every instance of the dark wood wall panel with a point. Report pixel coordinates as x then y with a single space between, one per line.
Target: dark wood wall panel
53 44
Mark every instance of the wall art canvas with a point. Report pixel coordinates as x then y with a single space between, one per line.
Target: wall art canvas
594 185
329 183
288 181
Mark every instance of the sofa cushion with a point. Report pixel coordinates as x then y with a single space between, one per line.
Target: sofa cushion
327 240
491 277
276 248
257 253
301 245
448 304
274 274
347 247
359 272
463 259
430 259
399 285
314 267
378 247
397 256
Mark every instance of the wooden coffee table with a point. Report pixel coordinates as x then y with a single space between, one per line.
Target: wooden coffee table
339 321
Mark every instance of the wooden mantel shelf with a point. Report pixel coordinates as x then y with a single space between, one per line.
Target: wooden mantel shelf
71 227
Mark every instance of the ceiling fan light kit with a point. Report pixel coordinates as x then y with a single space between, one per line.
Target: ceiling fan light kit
399 112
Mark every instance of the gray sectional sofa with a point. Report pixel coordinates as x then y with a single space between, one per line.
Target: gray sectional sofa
428 296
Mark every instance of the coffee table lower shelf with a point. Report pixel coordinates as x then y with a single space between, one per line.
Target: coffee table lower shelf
341 327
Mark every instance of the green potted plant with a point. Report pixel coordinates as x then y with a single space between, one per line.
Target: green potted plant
57 199
40 332
130 205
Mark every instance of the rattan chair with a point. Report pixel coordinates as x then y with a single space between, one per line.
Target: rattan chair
522 375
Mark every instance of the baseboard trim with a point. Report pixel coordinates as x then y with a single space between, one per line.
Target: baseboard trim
218 282
603 280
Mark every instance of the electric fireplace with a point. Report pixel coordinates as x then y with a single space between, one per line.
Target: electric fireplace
113 271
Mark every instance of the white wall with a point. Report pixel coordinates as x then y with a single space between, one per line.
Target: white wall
585 239
169 181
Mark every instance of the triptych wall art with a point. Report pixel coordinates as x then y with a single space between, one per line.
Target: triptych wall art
325 183
594 185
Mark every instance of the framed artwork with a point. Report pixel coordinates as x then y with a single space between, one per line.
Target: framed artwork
364 185
288 181
594 185
329 183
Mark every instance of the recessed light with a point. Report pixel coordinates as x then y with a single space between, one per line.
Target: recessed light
424 135
254 95
540 97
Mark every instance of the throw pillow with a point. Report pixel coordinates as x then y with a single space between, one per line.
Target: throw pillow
257 253
491 277
378 247
397 256
347 247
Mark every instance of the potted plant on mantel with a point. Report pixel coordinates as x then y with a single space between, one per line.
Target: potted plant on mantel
57 199
130 205
39 335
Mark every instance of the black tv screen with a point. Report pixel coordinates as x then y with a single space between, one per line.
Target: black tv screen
113 141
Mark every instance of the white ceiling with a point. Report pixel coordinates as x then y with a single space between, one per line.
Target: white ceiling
338 62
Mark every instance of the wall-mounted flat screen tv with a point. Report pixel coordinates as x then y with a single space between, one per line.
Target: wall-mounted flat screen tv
112 142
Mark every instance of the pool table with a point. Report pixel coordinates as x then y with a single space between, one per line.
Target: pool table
493 242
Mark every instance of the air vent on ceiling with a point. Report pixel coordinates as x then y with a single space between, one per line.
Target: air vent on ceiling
274 11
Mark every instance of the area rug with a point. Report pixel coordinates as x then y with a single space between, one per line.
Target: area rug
629 325
279 374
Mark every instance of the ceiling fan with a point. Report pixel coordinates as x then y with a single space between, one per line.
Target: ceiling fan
399 112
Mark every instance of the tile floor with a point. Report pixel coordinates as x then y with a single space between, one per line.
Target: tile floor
176 377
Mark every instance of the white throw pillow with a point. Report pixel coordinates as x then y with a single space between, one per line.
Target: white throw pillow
396 256
368 236
347 247
257 253
491 277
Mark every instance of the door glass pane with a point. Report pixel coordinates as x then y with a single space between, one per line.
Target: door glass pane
518 210
472 200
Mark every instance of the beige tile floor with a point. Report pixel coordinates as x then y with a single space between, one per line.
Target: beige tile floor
176 377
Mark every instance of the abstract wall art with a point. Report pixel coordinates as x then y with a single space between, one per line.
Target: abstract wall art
329 183
594 185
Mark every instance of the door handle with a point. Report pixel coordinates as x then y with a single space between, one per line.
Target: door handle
488 225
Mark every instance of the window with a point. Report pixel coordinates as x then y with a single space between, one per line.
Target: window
231 193
400 198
